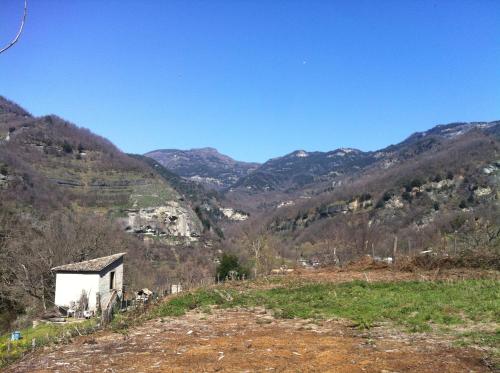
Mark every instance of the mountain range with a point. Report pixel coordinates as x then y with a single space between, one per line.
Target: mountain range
67 194
301 169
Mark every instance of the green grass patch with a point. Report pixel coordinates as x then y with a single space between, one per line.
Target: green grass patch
43 334
415 305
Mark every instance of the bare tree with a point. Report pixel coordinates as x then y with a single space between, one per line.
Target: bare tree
19 32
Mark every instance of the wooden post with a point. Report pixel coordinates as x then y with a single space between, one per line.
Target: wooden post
394 249
373 251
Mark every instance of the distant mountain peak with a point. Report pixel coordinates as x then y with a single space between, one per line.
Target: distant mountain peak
300 154
203 165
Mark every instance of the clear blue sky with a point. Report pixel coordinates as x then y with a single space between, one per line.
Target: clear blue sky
255 79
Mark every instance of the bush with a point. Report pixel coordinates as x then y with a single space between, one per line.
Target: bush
387 196
67 147
406 196
416 183
230 267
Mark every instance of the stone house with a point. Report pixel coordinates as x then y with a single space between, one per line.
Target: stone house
98 278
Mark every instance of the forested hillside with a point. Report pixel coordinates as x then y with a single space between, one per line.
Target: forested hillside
435 192
69 195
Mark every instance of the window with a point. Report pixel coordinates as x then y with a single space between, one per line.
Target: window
112 280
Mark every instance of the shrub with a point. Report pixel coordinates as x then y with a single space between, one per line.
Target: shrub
406 196
230 267
416 183
387 196
67 147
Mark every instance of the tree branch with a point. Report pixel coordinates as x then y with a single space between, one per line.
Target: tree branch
18 35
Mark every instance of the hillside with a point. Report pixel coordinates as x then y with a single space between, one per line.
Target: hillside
69 195
300 169
437 191
56 163
206 166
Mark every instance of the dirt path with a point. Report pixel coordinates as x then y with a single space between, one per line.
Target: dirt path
250 341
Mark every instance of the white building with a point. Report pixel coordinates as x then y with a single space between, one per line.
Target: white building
98 278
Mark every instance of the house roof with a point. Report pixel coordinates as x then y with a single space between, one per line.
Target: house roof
93 265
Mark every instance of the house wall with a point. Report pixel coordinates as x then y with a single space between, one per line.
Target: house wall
69 287
104 280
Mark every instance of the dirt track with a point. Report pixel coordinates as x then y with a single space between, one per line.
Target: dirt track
250 341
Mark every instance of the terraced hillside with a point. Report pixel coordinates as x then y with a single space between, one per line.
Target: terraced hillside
47 161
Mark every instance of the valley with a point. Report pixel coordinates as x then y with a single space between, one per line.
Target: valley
421 211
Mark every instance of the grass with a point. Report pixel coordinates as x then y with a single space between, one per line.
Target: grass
417 306
152 194
442 307
43 334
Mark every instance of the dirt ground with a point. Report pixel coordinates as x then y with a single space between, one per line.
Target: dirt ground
386 274
253 340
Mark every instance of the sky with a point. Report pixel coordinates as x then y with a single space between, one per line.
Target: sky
254 79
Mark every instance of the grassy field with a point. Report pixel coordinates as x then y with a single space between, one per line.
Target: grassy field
415 305
467 312
42 335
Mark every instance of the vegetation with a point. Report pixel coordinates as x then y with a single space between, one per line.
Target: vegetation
230 268
41 335
418 306
462 310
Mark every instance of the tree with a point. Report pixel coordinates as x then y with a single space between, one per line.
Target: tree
230 268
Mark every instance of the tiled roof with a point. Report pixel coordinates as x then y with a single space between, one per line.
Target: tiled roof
93 265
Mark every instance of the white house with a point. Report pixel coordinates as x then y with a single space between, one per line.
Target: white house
98 278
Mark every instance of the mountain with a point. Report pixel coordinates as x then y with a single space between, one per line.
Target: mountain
436 191
300 169
206 166
68 195
48 164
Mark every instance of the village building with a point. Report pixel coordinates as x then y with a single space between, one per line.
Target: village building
99 279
